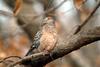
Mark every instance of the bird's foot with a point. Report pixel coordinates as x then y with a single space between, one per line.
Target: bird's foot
45 52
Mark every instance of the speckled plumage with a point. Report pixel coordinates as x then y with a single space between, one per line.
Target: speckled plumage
46 38
49 36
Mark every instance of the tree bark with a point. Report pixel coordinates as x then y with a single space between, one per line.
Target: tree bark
64 46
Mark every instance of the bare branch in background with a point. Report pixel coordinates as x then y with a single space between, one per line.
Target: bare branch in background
88 18
52 9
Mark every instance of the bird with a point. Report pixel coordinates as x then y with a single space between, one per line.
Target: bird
46 38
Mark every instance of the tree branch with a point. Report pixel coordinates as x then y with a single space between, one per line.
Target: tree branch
88 18
64 47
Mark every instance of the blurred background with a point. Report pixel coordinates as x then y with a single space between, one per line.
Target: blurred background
17 32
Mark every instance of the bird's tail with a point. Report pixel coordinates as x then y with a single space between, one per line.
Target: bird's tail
30 51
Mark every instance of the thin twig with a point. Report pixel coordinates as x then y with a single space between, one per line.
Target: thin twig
30 57
51 9
46 12
88 18
10 57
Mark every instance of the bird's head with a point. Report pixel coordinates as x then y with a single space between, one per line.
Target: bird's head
48 21
51 23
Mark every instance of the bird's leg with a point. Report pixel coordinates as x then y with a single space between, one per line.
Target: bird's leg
47 52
